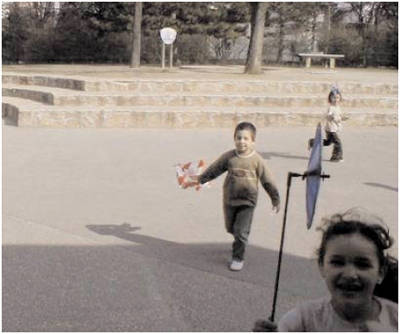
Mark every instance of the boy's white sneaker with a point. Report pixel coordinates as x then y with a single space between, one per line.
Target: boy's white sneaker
236 265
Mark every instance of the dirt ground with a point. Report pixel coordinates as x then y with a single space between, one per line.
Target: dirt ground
273 73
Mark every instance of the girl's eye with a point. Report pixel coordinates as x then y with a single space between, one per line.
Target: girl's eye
336 263
363 264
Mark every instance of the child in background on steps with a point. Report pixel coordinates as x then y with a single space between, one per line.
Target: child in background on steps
333 124
353 262
245 168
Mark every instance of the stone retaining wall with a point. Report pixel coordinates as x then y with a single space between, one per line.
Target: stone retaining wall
41 101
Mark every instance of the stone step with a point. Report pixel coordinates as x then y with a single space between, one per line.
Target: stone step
27 113
201 86
59 96
40 80
257 87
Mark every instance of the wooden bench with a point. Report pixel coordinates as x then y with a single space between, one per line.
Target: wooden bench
332 58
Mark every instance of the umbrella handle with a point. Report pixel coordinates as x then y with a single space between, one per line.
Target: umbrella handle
324 176
289 182
314 173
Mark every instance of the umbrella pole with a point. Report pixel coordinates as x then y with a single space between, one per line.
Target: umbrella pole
289 182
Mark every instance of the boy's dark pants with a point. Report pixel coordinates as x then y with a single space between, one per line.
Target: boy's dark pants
238 222
332 138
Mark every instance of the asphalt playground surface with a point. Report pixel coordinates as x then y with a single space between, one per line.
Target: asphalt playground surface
97 235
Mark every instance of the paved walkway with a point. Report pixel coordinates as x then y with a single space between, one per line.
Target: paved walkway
98 237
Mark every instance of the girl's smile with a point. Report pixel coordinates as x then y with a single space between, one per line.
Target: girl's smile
348 289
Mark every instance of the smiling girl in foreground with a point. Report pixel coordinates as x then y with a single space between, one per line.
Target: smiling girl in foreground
352 262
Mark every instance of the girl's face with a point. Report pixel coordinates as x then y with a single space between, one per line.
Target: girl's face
351 269
335 99
244 142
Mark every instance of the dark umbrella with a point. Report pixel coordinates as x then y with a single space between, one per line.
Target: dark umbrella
313 175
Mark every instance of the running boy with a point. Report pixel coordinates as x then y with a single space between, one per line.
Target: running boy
245 168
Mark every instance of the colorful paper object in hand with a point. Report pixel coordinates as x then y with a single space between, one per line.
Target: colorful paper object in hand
313 176
186 174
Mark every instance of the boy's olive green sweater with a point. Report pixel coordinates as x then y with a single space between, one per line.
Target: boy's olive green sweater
241 183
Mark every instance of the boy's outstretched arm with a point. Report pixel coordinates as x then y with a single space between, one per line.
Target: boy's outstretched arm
215 169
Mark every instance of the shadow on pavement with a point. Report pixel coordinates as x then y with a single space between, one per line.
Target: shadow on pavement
269 155
379 185
260 263
147 284
299 276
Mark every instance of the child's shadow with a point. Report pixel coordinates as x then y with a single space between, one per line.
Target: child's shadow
269 155
210 257
260 264
380 185
163 249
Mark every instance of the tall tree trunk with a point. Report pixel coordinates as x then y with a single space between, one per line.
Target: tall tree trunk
254 57
314 46
376 14
362 24
364 47
253 10
328 26
280 41
137 31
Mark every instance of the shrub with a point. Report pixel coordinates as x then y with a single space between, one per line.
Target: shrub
383 49
192 49
39 48
151 48
115 48
343 41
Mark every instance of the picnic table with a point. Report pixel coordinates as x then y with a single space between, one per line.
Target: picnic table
332 58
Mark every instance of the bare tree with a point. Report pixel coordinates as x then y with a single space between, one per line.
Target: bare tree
364 12
41 12
254 56
137 31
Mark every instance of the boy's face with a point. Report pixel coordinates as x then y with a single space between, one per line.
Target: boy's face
244 141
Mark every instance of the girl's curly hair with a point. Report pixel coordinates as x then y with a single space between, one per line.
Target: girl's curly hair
356 220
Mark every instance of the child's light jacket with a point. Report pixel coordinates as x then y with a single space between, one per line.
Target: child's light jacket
333 119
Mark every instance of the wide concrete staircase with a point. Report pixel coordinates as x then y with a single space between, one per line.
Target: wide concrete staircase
63 102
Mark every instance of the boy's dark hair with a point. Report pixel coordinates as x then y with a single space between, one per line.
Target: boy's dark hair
246 126
357 220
